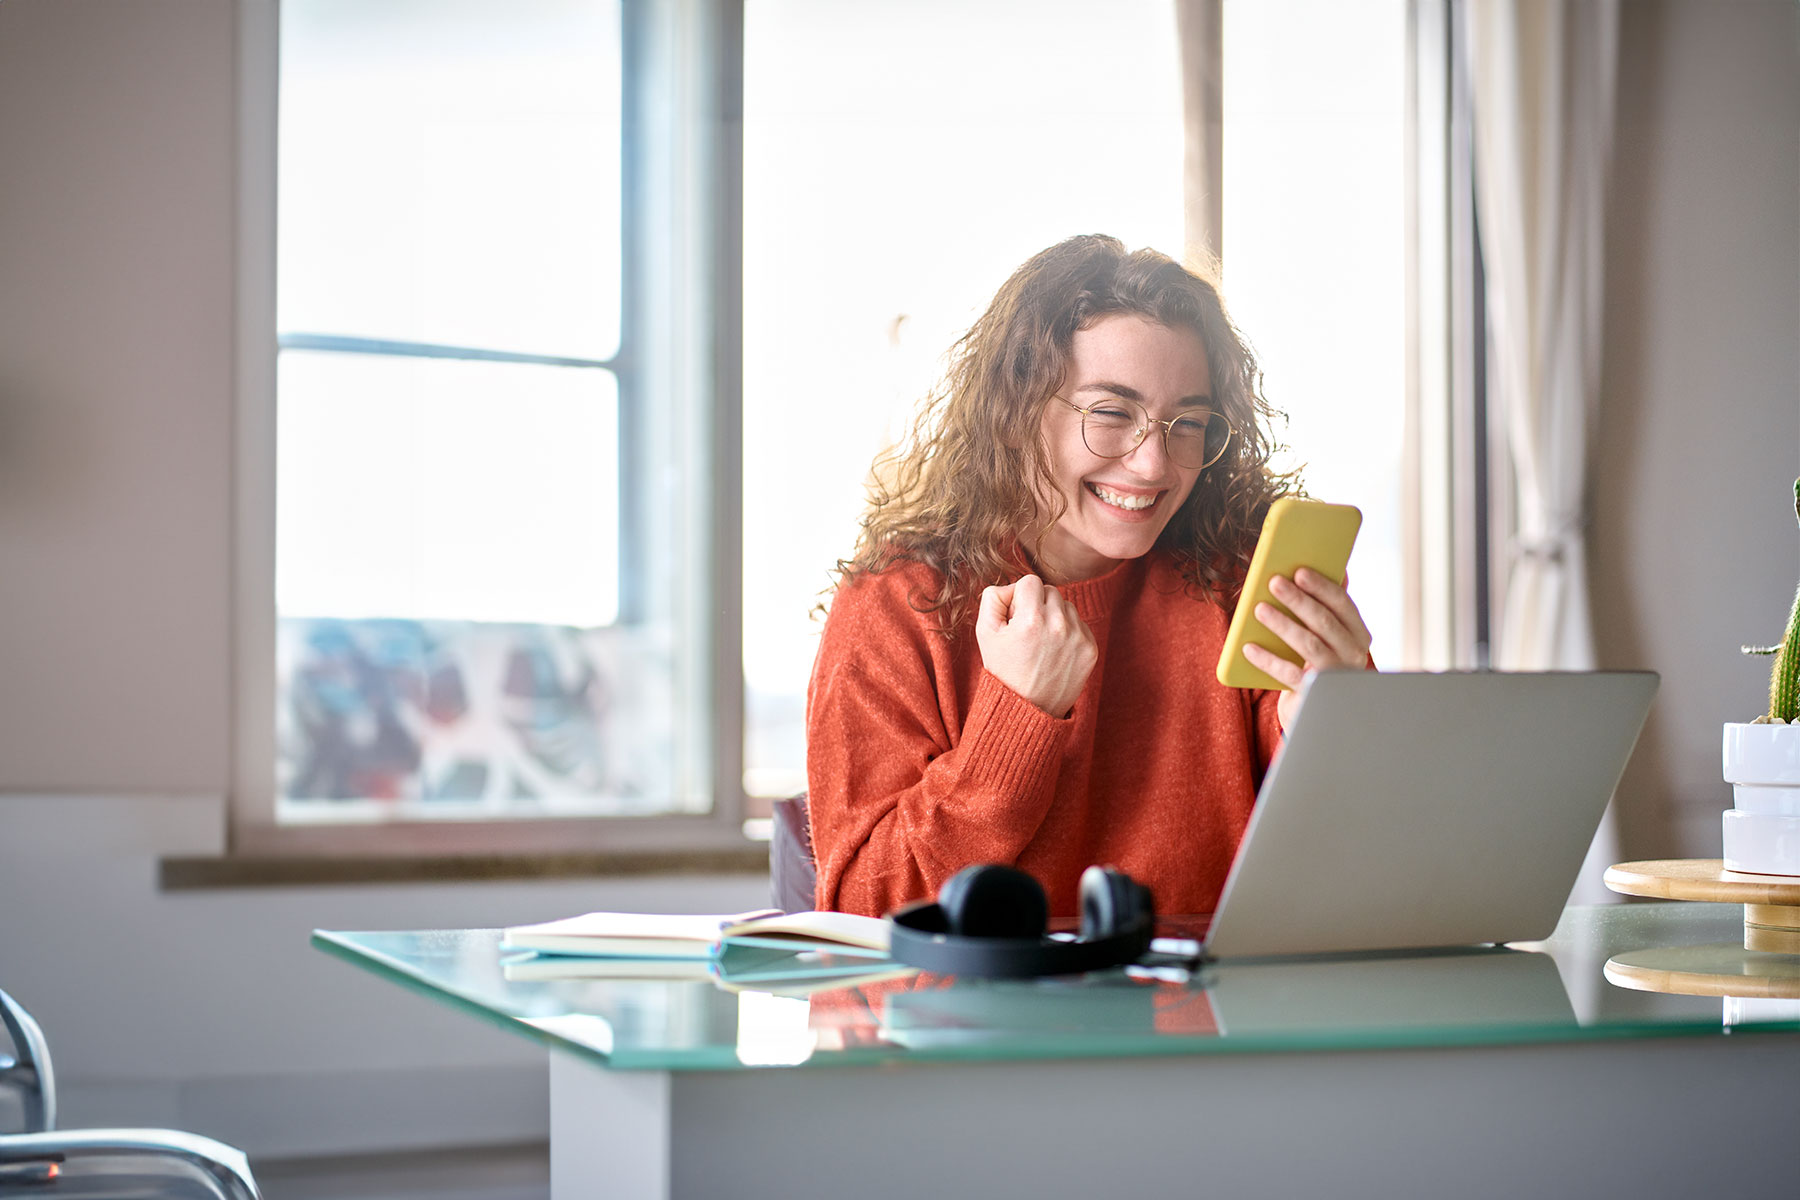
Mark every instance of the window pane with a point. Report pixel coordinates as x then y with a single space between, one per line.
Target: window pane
450 172
1315 254
383 719
447 579
442 489
901 157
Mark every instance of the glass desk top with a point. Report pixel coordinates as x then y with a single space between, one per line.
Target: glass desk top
1627 970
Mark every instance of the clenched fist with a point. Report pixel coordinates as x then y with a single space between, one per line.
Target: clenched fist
1034 642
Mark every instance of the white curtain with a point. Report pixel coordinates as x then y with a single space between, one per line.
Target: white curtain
1200 33
1542 77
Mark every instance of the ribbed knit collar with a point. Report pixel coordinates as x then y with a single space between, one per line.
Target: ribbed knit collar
1093 598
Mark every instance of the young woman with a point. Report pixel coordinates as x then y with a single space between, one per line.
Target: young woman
1018 664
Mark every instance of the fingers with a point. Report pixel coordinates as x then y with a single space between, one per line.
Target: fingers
996 607
1326 629
1312 649
1287 705
1028 594
1032 640
1031 601
1336 597
1287 674
1059 616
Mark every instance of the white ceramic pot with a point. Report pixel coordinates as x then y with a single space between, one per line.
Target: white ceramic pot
1762 831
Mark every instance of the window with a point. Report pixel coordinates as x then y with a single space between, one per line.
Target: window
1315 257
500 485
492 500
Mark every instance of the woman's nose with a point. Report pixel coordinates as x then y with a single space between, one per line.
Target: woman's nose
1150 457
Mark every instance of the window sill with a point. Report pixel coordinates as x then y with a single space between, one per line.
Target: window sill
178 874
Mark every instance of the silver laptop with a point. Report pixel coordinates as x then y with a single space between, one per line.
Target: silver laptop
1409 811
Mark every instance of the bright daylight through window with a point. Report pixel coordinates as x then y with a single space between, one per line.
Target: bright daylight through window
1315 255
456 636
887 195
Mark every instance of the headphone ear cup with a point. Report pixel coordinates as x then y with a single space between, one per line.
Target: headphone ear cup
1111 903
991 901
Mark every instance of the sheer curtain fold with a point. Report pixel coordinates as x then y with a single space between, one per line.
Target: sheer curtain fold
1199 36
1542 75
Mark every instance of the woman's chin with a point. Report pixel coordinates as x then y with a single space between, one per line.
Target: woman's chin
1128 538
1101 554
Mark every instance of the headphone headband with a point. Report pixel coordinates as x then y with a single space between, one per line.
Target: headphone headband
920 937
925 934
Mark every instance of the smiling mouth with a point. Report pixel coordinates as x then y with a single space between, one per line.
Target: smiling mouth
1124 500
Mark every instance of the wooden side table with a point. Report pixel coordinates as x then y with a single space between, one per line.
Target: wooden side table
1771 902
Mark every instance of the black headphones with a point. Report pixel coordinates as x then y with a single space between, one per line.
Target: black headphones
989 921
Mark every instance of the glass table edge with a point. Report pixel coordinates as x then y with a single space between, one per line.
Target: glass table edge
330 941
1056 1046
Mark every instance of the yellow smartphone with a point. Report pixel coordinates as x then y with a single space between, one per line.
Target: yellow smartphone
1297 533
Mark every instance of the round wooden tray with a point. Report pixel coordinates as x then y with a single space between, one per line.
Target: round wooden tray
1719 969
1771 902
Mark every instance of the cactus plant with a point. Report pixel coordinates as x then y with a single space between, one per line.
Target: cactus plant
1784 681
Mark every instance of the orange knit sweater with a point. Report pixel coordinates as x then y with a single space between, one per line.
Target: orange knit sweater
919 762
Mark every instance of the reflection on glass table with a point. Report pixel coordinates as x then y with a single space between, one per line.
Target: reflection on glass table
699 1017
1754 985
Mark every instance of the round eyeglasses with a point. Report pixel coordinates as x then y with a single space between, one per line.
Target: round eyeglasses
1113 428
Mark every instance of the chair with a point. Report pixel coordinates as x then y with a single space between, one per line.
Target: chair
98 1163
793 872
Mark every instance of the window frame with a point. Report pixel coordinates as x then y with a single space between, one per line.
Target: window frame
1456 498
680 383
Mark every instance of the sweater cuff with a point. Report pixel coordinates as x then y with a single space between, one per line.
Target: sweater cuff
1009 744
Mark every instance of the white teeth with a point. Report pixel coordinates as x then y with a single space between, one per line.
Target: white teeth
1121 500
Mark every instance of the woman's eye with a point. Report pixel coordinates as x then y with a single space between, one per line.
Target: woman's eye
1109 414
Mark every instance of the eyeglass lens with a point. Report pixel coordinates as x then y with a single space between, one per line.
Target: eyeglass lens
1113 429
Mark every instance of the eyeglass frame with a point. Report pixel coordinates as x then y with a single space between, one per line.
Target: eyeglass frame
1143 430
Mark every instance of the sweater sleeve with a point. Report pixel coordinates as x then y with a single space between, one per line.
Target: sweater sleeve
901 800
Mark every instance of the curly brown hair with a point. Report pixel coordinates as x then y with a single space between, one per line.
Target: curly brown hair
962 490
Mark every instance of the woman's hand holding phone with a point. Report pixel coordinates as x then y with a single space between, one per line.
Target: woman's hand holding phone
1034 642
1326 631
1293 614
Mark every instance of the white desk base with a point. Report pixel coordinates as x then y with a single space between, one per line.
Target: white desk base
1644 1117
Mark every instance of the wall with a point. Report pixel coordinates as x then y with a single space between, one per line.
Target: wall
116 335
201 1010
208 1009
1694 545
